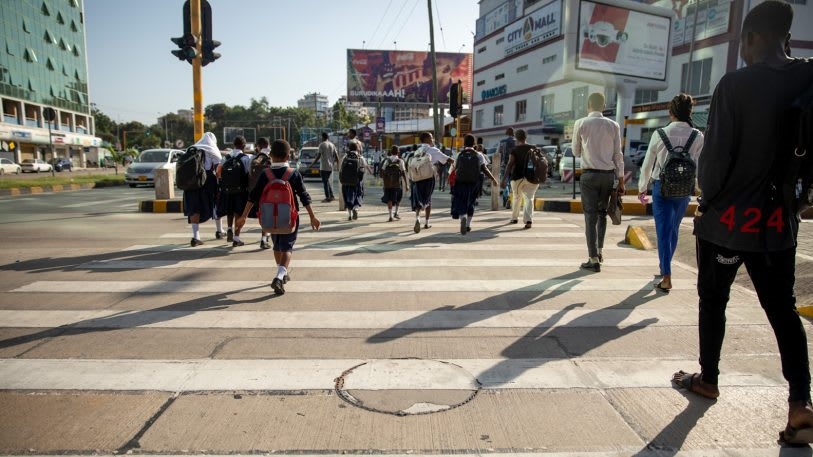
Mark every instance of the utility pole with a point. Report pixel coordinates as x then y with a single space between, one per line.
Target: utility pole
197 84
438 132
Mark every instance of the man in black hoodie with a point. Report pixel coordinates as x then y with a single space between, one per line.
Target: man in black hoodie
742 218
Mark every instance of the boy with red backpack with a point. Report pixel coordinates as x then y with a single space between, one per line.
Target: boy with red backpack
278 192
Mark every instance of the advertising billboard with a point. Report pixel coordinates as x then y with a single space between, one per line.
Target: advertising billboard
622 41
538 27
404 76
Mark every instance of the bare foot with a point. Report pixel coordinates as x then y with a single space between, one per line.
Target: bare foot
693 382
800 414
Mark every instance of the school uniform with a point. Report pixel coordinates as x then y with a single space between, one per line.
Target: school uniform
283 243
394 194
202 201
234 203
353 195
465 194
421 195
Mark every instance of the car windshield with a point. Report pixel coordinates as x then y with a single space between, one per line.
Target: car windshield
307 154
153 156
28 161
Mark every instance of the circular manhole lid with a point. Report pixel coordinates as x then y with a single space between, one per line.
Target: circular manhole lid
407 386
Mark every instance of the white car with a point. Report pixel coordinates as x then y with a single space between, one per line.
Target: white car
7 166
35 166
566 162
142 171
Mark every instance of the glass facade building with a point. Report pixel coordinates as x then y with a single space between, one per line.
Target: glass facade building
43 65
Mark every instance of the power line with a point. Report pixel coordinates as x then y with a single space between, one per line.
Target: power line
381 21
407 19
440 25
393 24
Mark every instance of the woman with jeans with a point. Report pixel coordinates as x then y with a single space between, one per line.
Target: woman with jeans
668 212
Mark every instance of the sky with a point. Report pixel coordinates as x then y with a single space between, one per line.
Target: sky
278 49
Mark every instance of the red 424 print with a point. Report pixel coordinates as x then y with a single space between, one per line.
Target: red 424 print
753 220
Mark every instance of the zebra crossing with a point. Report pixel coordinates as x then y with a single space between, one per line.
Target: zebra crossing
507 306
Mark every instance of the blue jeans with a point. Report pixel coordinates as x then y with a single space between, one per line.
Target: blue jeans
327 182
668 213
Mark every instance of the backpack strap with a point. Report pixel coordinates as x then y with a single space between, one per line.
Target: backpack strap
666 142
688 144
288 173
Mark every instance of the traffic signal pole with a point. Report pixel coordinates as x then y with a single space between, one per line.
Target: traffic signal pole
197 84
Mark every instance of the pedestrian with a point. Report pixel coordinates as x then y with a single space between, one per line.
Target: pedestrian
597 140
507 145
351 177
480 147
283 245
259 162
351 138
668 211
741 219
422 176
467 169
376 162
393 174
233 173
327 156
523 190
442 171
199 204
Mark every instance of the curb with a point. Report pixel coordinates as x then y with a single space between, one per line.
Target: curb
575 206
15 191
161 206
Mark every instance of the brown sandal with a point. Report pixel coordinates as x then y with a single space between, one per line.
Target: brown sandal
694 383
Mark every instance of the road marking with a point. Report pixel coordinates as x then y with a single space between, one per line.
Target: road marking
320 374
208 264
340 246
409 234
103 202
314 287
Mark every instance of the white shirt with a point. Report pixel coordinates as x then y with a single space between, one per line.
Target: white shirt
678 133
597 140
246 159
434 153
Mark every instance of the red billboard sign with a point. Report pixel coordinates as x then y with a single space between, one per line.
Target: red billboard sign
404 76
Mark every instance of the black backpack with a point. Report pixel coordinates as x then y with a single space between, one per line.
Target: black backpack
796 180
679 171
536 167
233 175
467 167
391 174
259 163
350 171
190 173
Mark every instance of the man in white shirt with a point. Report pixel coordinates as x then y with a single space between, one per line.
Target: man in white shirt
422 190
597 140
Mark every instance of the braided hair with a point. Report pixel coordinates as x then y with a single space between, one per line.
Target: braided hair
681 108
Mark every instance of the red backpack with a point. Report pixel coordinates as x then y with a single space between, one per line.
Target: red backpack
277 208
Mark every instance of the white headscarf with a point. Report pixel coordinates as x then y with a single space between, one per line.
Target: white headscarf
209 144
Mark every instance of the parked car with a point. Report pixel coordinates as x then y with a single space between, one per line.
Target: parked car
306 166
35 166
567 160
7 166
61 163
142 171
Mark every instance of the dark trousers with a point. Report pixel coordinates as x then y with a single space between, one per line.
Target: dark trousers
773 275
595 190
326 181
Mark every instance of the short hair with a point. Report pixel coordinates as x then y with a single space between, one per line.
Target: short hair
521 134
352 146
509 131
280 149
324 135
771 18
681 108
262 142
596 101
239 142
351 132
394 150
468 140
425 137
479 140
414 147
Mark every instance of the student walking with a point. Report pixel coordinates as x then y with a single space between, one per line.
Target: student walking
523 190
283 244
233 174
467 170
393 173
199 204
327 156
597 140
668 211
351 176
259 162
741 219
422 175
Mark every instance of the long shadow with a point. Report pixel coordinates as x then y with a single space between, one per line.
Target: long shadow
518 299
669 440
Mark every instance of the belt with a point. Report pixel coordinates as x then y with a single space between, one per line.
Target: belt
593 170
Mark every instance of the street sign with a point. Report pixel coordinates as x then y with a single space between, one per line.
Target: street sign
453 131
49 114
379 124
367 135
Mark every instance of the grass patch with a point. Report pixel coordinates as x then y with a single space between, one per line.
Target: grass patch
102 180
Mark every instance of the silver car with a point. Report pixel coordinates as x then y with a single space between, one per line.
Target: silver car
7 166
142 171
35 166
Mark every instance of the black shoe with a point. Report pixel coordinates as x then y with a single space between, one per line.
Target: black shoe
355 214
463 230
327 200
265 244
195 242
514 221
229 236
527 225
285 279
427 226
396 216
219 235
417 227
600 258
277 285
590 265
468 229
390 219
234 244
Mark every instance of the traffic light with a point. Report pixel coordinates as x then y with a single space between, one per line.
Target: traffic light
187 47
456 99
209 55
209 44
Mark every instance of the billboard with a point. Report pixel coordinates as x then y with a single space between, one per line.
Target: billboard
536 28
622 41
404 76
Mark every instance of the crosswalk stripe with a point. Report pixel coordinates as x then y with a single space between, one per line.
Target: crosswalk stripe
408 233
320 374
207 264
381 247
422 286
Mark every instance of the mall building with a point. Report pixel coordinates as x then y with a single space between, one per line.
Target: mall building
520 78
43 72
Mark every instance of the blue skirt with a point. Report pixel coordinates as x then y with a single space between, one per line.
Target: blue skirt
421 196
201 201
393 195
463 198
353 195
228 204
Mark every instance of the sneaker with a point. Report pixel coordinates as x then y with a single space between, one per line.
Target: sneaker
277 285
463 230
417 227
235 244
427 226
396 216
219 235
195 242
229 236
265 244
514 221
593 266
355 214
527 225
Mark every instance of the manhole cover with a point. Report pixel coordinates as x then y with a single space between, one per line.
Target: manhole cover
407 386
